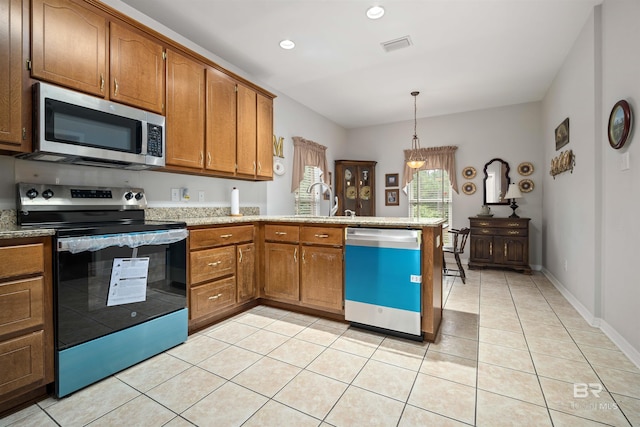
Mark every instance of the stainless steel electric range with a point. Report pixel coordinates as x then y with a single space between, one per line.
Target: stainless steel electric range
119 280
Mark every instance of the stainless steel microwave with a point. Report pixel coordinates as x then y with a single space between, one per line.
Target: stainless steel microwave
72 127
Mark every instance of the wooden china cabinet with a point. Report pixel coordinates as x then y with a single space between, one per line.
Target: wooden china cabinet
356 187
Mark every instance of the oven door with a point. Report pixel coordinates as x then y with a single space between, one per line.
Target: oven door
107 283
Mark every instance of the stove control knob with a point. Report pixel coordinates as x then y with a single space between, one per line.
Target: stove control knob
128 195
47 194
32 193
139 195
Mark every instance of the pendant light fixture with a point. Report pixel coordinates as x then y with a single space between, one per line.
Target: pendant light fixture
415 160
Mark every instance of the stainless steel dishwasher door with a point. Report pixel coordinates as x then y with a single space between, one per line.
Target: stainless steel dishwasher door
383 280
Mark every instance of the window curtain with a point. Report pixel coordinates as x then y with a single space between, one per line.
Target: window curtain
436 158
308 153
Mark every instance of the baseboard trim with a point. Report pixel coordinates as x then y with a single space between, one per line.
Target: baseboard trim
632 353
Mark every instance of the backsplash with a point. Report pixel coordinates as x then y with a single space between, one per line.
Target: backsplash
7 218
195 212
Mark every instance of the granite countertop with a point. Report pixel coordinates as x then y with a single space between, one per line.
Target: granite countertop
9 229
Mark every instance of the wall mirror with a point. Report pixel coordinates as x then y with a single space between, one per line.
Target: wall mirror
496 182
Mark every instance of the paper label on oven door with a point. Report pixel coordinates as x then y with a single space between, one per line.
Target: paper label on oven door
128 281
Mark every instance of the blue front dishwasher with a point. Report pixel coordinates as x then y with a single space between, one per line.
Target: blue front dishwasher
383 279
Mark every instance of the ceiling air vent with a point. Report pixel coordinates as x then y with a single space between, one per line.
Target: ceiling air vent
396 44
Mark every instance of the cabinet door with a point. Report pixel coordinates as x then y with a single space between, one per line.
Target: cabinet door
137 69
264 137
481 248
321 277
221 122
21 362
514 250
246 155
185 111
69 45
11 71
281 271
246 272
348 186
366 191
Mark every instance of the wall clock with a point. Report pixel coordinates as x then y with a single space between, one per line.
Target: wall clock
620 122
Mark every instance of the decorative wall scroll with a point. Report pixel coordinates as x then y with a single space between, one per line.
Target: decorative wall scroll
562 163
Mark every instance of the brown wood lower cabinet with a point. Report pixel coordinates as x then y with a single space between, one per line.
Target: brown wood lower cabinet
321 278
281 279
500 242
26 320
246 272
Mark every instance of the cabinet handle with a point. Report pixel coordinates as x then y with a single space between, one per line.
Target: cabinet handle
512 232
215 296
490 248
483 224
303 260
240 255
115 81
295 255
513 224
208 159
322 236
485 231
254 166
213 264
280 233
506 253
201 158
101 82
226 236
259 167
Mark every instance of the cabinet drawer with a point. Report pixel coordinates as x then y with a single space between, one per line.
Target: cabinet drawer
21 305
212 263
210 297
322 235
21 260
282 233
208 237
21 362
500 232
499 223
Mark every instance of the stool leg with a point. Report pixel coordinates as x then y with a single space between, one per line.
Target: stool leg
462 275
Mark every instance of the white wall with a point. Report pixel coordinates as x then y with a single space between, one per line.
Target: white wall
590 216
510 133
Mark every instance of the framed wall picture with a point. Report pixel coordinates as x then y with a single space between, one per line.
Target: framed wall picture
391 180
392 197
620 121
562 134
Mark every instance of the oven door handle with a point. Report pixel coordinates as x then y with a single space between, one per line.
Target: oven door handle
133 240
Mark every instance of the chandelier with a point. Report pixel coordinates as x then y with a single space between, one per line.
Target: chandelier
415 160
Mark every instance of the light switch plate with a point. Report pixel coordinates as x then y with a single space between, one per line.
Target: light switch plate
175 194
624 162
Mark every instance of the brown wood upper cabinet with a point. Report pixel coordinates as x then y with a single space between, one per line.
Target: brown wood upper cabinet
221 122
14 114
135 71
185 120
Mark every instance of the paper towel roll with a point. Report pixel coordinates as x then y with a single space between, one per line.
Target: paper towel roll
235 202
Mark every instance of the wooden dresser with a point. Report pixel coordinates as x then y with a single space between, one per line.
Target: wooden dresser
500 242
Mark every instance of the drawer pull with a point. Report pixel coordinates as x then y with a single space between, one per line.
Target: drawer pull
513 224
483 224
226 236
281 233
513 232
506 253
215 296
485 231
295 255
322 236
240 254
213 264
490 248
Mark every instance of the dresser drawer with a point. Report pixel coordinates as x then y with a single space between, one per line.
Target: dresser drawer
21 362
210 264
321 236
210 297
208 237
499 232
499 222
21 260
21 305
282 233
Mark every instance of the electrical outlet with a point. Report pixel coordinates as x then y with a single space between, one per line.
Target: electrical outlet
185 194
175 194
201 196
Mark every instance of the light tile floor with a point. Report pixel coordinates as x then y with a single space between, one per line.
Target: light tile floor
511 351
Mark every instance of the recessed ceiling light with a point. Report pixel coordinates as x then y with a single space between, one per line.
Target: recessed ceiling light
375 12
287 44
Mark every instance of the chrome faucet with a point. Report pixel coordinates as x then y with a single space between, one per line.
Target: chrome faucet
333 208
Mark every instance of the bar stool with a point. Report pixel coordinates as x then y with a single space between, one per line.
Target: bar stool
459 241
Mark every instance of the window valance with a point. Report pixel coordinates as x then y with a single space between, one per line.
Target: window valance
436 158
308 153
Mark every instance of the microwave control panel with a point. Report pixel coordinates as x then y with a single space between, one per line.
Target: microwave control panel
154 140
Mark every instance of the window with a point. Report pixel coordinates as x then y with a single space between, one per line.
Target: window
308 203
430 196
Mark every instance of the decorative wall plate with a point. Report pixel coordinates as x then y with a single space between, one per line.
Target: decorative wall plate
469 172
526 185
620 122
525 168
278 166
468 188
